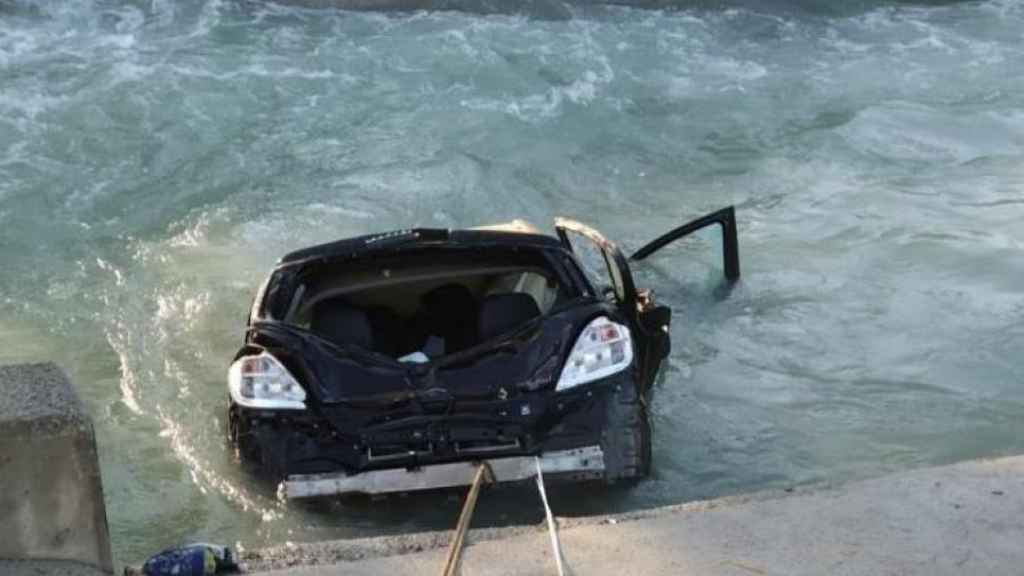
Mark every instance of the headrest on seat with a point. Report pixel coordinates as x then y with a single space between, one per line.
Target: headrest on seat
342 324
500 313
450 312
443 300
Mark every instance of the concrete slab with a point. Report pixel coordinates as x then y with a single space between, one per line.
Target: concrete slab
965 518
51 496
47 568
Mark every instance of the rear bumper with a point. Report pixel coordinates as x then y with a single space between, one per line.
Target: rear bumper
305 444
575 464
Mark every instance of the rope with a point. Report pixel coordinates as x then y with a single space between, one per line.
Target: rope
451 565
485 474
556 546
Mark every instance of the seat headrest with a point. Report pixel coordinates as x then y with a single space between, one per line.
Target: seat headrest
447 296
502 312
450 312
342 324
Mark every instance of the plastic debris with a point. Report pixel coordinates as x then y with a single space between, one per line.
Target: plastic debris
190 560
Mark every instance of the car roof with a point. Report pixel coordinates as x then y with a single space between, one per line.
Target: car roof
513 233
517 225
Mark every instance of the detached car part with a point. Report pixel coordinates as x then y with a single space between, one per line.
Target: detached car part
392 362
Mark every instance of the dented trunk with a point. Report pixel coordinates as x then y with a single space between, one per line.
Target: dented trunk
494 400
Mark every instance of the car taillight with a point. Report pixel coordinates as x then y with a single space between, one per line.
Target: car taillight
261 381
603 348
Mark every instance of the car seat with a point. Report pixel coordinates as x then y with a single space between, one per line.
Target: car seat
500 313
450 312
340 323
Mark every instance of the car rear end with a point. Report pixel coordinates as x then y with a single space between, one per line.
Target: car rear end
394 364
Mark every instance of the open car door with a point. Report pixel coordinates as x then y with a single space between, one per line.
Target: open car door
608 270
726 218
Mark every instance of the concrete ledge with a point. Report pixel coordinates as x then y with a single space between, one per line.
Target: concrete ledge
47 568
962 519
51 496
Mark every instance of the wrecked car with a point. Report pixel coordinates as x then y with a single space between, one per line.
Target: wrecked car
396 362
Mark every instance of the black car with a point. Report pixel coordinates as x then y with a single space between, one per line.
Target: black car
395 362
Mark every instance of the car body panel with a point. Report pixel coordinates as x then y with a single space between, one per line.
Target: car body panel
586 463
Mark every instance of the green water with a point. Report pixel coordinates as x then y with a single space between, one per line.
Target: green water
157 157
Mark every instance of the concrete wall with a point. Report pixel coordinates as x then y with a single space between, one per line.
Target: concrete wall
51 496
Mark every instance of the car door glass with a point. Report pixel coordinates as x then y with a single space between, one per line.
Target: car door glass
595 266
607 268
695 232
695 258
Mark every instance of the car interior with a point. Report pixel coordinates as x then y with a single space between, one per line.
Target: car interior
416 315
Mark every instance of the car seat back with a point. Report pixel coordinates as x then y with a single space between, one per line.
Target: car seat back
388 331
340 323
450 311
500 313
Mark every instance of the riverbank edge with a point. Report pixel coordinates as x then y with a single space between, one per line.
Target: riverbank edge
915 518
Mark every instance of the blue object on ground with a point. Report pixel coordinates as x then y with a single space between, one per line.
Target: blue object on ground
191 560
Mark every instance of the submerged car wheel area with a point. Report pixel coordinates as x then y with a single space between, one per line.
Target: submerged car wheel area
393 362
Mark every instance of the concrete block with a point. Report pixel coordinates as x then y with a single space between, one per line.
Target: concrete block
51 495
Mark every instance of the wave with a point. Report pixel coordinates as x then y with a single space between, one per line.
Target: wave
544 9
567 8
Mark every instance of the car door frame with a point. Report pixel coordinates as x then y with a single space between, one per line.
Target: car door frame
726 218
648 325
614 259
648 321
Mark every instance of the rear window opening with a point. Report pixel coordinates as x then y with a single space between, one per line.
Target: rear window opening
419 306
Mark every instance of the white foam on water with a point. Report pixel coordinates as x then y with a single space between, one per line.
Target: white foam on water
129 384
209 18
911 132
29 106
207 478
15 43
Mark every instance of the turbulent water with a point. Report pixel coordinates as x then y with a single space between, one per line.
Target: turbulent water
157 157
